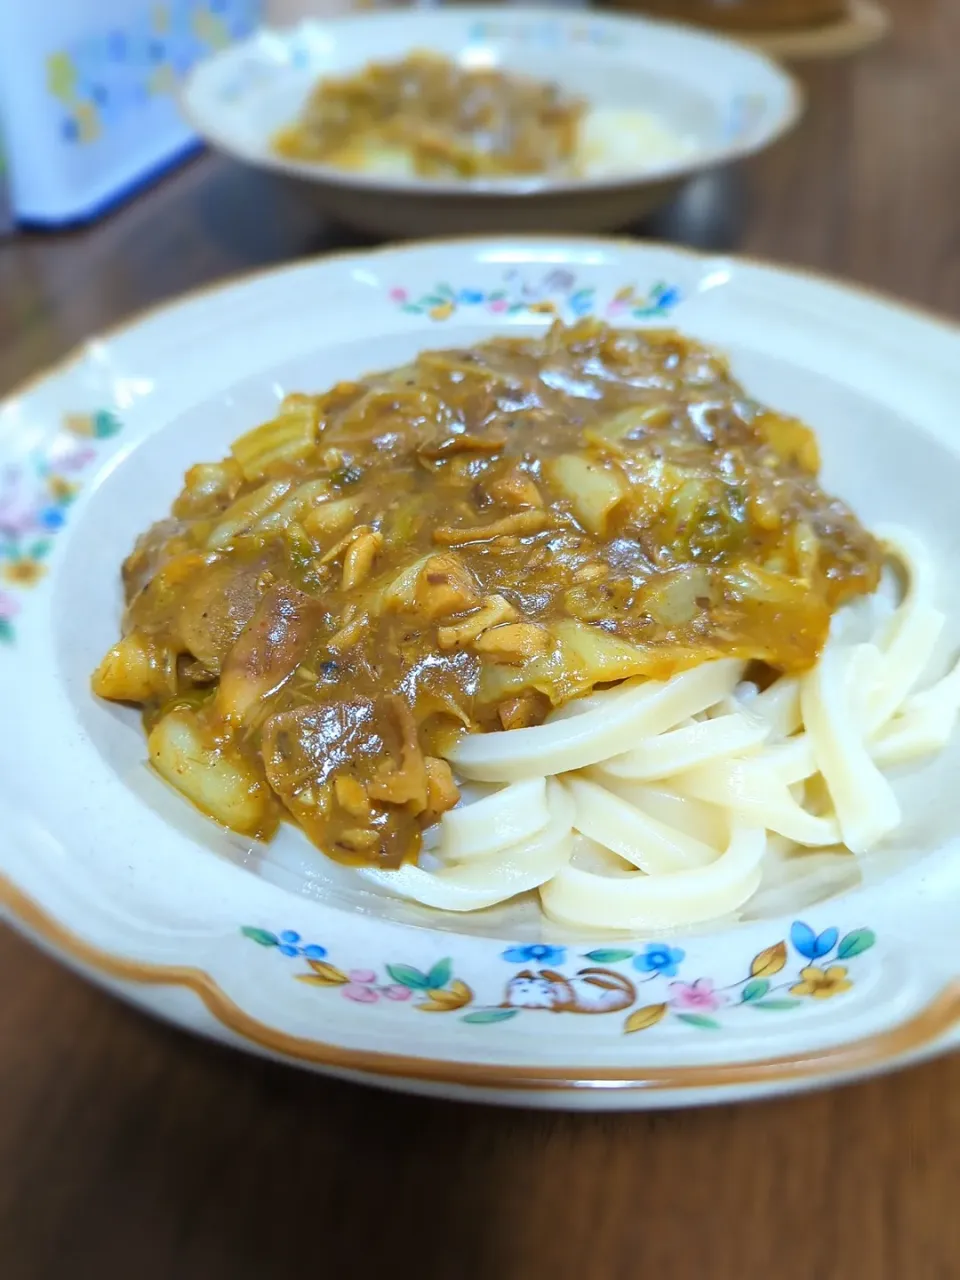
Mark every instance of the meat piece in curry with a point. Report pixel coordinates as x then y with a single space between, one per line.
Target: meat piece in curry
463 544
446 120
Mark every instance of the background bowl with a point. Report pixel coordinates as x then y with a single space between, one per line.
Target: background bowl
725 100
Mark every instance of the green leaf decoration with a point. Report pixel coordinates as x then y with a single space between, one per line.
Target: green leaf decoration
612 956
776 1005
6 632
262 936
855 943
446 290
39 549
755 989
439 975
106 424
699 1020
407 976
433 300
490 1015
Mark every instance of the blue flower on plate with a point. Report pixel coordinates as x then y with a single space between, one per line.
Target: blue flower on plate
659 958
814 946
291 944
538 953
50 518
667 297
470 297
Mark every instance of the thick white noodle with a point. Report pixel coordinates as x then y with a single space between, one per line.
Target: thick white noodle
648 844
707 823
779 707
636 901
650 805
481 882
756 795
509 816
610 728
864 801
680 749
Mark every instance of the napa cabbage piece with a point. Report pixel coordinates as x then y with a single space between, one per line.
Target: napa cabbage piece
289 437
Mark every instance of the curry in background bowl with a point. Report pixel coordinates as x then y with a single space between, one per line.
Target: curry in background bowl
430 117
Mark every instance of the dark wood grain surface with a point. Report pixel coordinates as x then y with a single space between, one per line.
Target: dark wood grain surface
130 1150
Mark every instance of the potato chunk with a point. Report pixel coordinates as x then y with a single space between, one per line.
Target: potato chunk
593 489
136 670
216 780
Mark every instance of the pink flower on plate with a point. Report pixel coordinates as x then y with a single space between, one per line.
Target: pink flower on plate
366 976
398 295
696 997
71 458
362 986
498 304
9 608
396 992
360 993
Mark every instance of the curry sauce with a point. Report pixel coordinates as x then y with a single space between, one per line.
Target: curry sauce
463 544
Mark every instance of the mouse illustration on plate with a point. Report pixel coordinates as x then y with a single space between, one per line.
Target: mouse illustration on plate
588 991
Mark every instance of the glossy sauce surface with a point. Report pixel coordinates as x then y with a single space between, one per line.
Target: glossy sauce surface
463 544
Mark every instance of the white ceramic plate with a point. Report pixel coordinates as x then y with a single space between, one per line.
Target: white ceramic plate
278 949
724 100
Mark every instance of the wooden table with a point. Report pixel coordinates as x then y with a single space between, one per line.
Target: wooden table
130 1150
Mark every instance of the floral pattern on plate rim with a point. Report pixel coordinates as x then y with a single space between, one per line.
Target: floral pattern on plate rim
558 292
545 33
808 967
35 496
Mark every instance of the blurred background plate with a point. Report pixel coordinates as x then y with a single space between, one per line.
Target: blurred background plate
720 99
